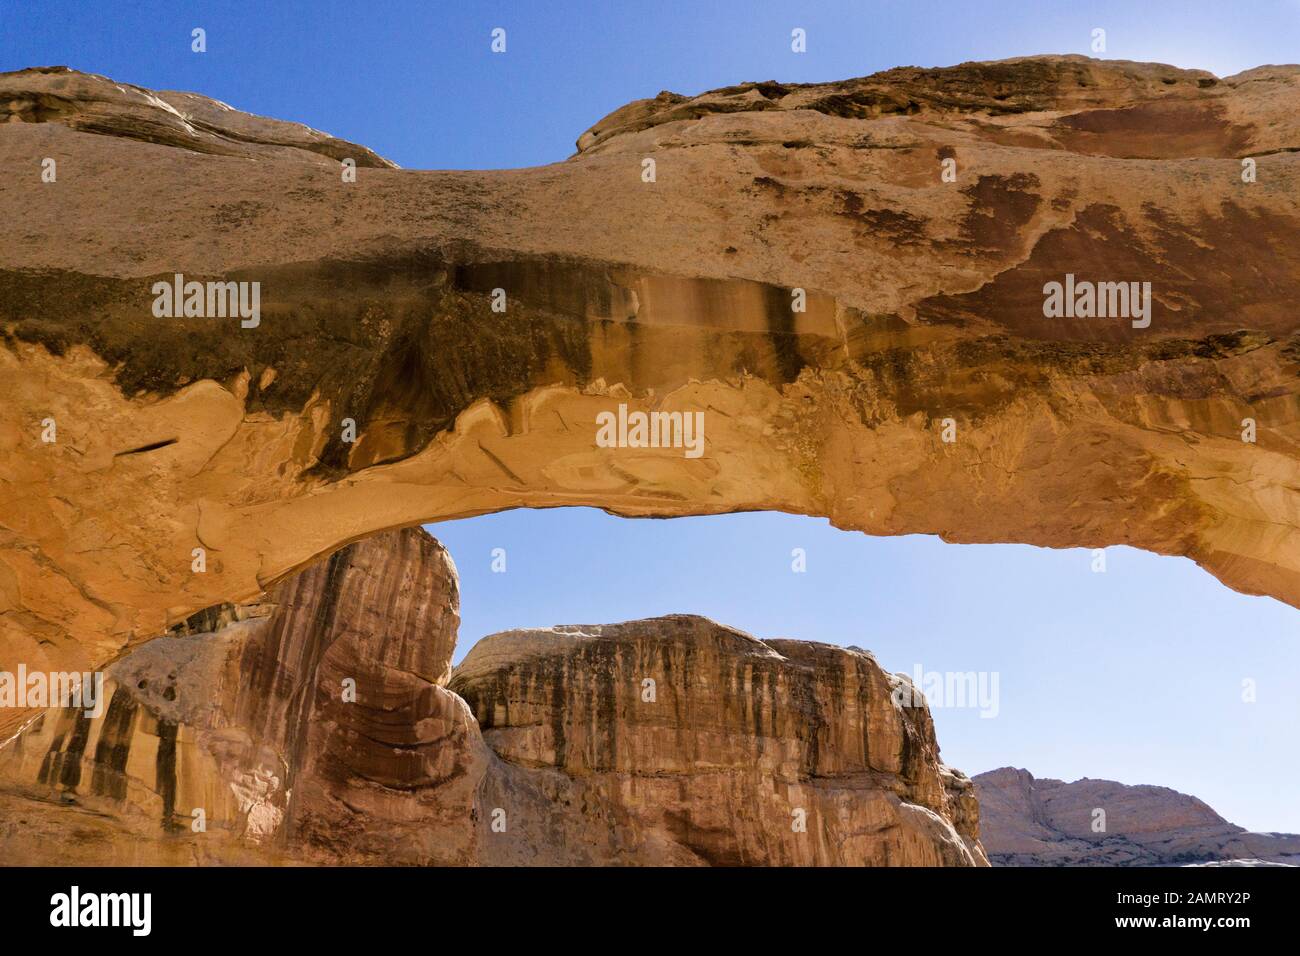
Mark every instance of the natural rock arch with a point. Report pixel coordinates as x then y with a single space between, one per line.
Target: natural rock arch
923 304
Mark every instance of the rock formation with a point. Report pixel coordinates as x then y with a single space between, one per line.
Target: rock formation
296 723
317 726
693 742
1041 822
129 440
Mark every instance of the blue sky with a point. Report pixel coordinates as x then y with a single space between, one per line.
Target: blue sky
415 79
1134 674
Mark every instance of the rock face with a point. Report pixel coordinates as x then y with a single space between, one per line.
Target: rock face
801 272
696 743
1041 822
296 724
777 753
90 104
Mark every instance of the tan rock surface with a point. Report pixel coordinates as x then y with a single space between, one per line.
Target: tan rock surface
924 303
249 722
241 713
701 744
1028 821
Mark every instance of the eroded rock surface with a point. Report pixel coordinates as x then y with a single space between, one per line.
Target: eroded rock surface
93 104
1028 821
924 305
700 744
302 724
752 752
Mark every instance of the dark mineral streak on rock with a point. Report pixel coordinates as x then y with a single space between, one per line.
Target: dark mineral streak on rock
165 771
924 303
248 722
109 777
720 759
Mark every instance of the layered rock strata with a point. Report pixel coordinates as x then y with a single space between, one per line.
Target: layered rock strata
317 726
693 742
295 724
839 277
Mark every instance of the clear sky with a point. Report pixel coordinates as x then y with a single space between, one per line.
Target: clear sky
415 79
1135 674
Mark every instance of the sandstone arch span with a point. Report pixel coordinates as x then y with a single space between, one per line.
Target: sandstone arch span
923 304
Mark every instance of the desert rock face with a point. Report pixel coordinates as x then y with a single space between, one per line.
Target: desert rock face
699 743
923 312
241 712
751 753
1026 821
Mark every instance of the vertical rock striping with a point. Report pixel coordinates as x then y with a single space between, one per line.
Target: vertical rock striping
318 726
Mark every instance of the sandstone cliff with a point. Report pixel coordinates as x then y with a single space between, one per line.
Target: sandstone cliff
1026 821
695 742
923 306
298 722
316 726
